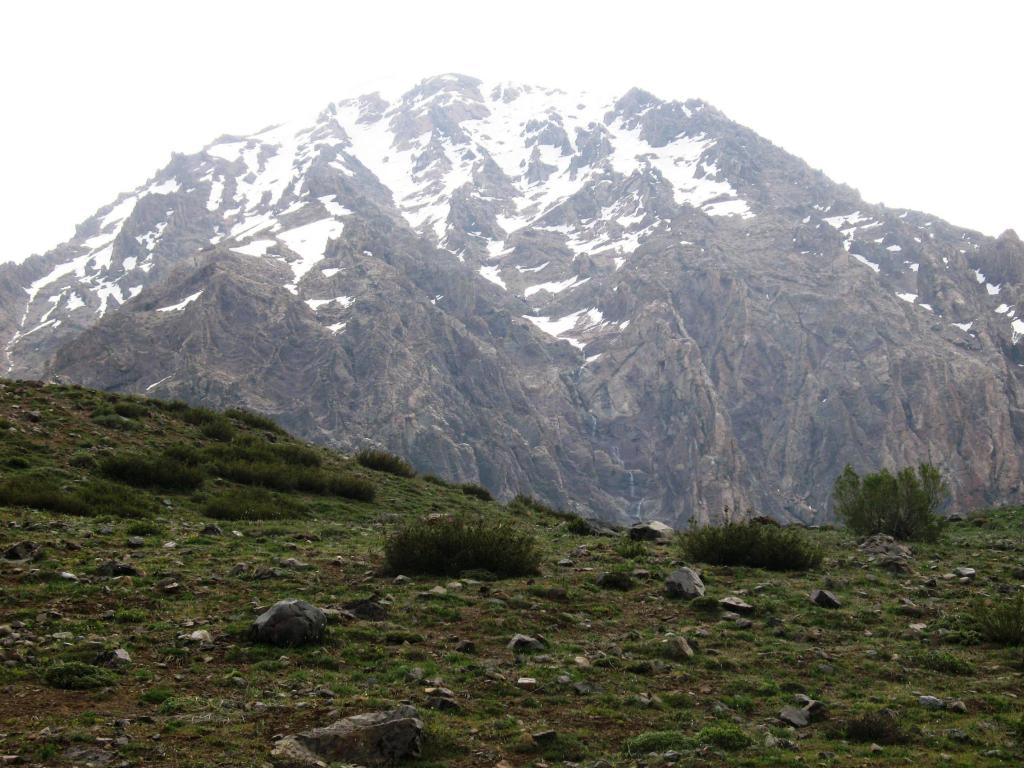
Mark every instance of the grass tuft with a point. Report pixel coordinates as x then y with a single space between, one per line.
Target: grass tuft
754 545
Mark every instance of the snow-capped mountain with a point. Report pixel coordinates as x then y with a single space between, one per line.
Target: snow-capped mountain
634 306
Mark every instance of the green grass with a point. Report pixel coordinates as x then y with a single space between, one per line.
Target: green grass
232 697
1000 620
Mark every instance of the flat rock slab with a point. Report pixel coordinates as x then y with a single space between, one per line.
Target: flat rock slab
735 605
374 738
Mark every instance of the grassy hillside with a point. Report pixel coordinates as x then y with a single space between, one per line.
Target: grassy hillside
93 478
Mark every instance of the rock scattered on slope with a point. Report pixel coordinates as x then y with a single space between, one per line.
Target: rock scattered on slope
371 739
825 599
684 583
289 623
651 531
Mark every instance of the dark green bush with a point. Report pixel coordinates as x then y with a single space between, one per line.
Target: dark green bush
657 741
903 505
1000 621
724 736
882 727
151 472
476 490
199 416
255 420
754 545
18 462
435 480
144 528
94 497
253 504
522 504
351 487
113 421
82 460
217 429
940 661
450 545
130 409
382 461
77 676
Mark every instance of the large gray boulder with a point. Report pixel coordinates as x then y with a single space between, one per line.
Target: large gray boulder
685 583
374 738
651 530
288 623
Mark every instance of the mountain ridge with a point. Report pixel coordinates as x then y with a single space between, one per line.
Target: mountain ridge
641 308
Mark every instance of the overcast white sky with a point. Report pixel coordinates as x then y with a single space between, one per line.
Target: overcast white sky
916 104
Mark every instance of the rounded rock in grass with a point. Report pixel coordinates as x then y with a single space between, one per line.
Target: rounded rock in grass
684 583
289 623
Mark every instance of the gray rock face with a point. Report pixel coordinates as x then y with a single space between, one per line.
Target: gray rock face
684 583
635 309
289 623
375 738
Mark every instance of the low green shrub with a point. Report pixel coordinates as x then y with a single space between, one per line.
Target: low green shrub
130 409
77 676
1000 621
751 544
881 727
18 462
903 505
113 421
144 528
435 480
217 429
198 416
657 741
382 461
351 487
476 490
724 736
450 545
151 472
255 420
939 661
253 504
91 498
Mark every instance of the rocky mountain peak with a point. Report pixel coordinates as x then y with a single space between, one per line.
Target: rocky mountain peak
631 305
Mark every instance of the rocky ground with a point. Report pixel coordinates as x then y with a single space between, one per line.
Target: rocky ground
570 667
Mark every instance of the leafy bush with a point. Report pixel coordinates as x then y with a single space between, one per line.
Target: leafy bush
151 472
1000 622
526 505
94 497
82 460
774 548
435 480
218 429
113 421
255 420
630 549
18 462
940 661
130 409
882 727
476 490
199 416
351 487
724 736
902 505
144 528
382 461
447 546
657 741
77 676
253 504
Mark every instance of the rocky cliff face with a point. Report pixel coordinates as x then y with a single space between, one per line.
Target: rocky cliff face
635 307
